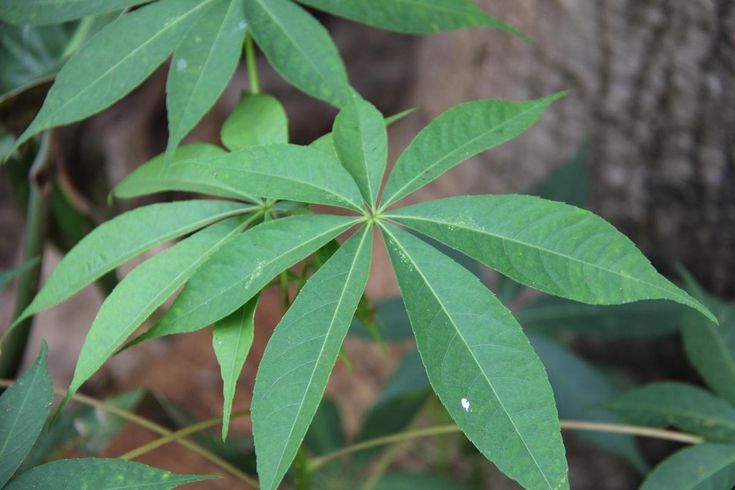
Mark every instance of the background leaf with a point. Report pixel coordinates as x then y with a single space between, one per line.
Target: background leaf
24 407
301 354
39 12
258 119
231 339
202 66
546 245
458 134
115 61
412 481
700 467
9 274
325 433
299 48
681 405
413 16
480 364
100 474
122 238
242 267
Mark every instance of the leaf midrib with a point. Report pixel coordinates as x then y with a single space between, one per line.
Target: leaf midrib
472 354
20 412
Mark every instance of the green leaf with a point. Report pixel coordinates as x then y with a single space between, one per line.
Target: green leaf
40 12
291 172
700 467
480 364
8 275
232 338
202 66
413 16
158 176
458 134
115 61
143 290
325 433
100 474
122 238
580 390
711 348
412 481
301 354
546 245
258 119
391 321
242 267
640 320
568 183
681 405
299 48
24 408
361 141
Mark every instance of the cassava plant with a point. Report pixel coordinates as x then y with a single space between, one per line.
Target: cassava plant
259 225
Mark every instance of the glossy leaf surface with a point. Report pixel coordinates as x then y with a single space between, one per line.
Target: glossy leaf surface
202 66
458 134
546 245
258 119
480 364
700 467
301 354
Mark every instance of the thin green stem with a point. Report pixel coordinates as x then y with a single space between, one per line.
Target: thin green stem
153 427
668 435
15 341
251 64
179 434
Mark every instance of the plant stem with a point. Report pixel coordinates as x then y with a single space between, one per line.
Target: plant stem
669 435
179 434
251 64
153 427
35 237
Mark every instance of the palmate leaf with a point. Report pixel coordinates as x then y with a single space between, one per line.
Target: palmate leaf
458 134
115 61
291 172
122 238
480 364
143 290
299 48
700 467
232 338
100 474
361 141
23 411
299 357
546 245
243 266
681 405
159 176
202 66
258 119
412 16
40 12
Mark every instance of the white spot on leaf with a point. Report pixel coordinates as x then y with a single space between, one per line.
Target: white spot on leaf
182 64
466 405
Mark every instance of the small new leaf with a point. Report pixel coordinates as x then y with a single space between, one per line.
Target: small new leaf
258 119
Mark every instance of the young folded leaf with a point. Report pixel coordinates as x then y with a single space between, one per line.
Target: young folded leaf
202 66
299 48
242 267
413 16
232 338
159 176
42 12
458 134
681 405
700 467
291 172
480 364
361 141
301 354
100 474
24 408
258 119
122 238
115 61
546 245
143 290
